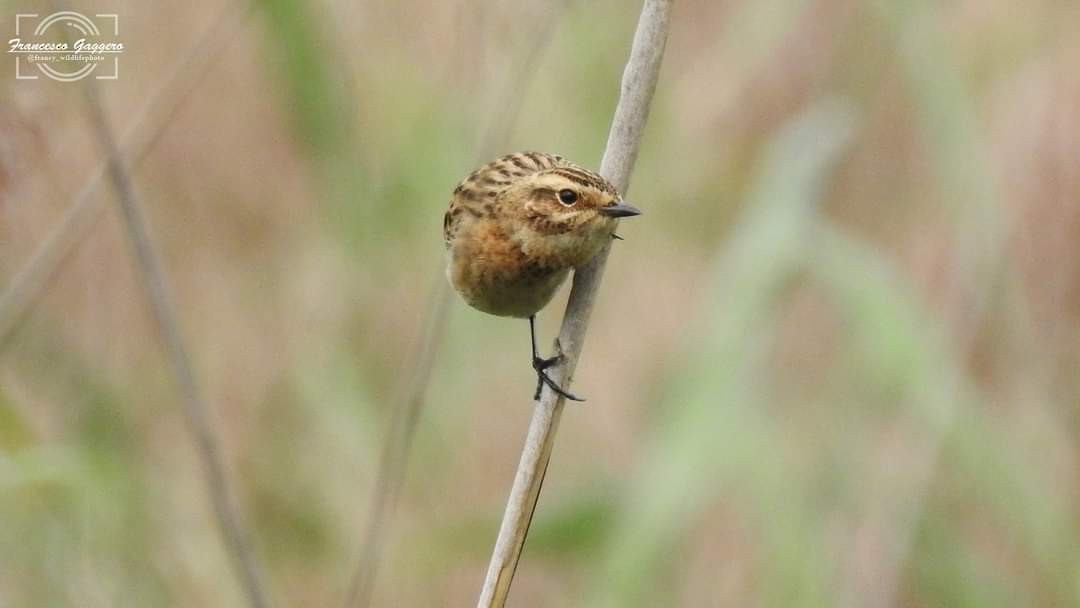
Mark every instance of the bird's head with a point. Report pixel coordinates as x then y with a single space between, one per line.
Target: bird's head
565 211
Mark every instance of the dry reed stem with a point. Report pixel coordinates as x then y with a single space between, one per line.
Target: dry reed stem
405 411
638 85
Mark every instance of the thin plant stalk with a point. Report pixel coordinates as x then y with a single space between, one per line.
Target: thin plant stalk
638 84
142 133
405 411
196 408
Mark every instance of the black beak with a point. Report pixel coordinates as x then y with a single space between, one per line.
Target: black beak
620 210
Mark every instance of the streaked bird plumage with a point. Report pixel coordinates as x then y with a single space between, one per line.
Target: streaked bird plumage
512 241
515 229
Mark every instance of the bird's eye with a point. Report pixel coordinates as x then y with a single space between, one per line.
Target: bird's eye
567 197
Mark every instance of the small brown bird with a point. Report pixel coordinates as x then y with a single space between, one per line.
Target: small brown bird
517 226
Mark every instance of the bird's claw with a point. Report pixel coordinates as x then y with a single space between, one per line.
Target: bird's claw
541 365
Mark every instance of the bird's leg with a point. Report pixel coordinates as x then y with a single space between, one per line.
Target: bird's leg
540 365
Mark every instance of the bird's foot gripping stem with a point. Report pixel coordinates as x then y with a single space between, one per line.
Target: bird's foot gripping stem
541 366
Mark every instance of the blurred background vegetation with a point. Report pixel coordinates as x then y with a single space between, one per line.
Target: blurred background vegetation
833 365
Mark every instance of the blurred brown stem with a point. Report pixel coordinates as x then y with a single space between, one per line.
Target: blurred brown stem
394 456
196 408
638 85
405 411
138 139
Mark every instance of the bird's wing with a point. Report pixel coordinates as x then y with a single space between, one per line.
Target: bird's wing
451 220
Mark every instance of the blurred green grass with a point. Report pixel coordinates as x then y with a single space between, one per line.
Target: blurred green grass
831 366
